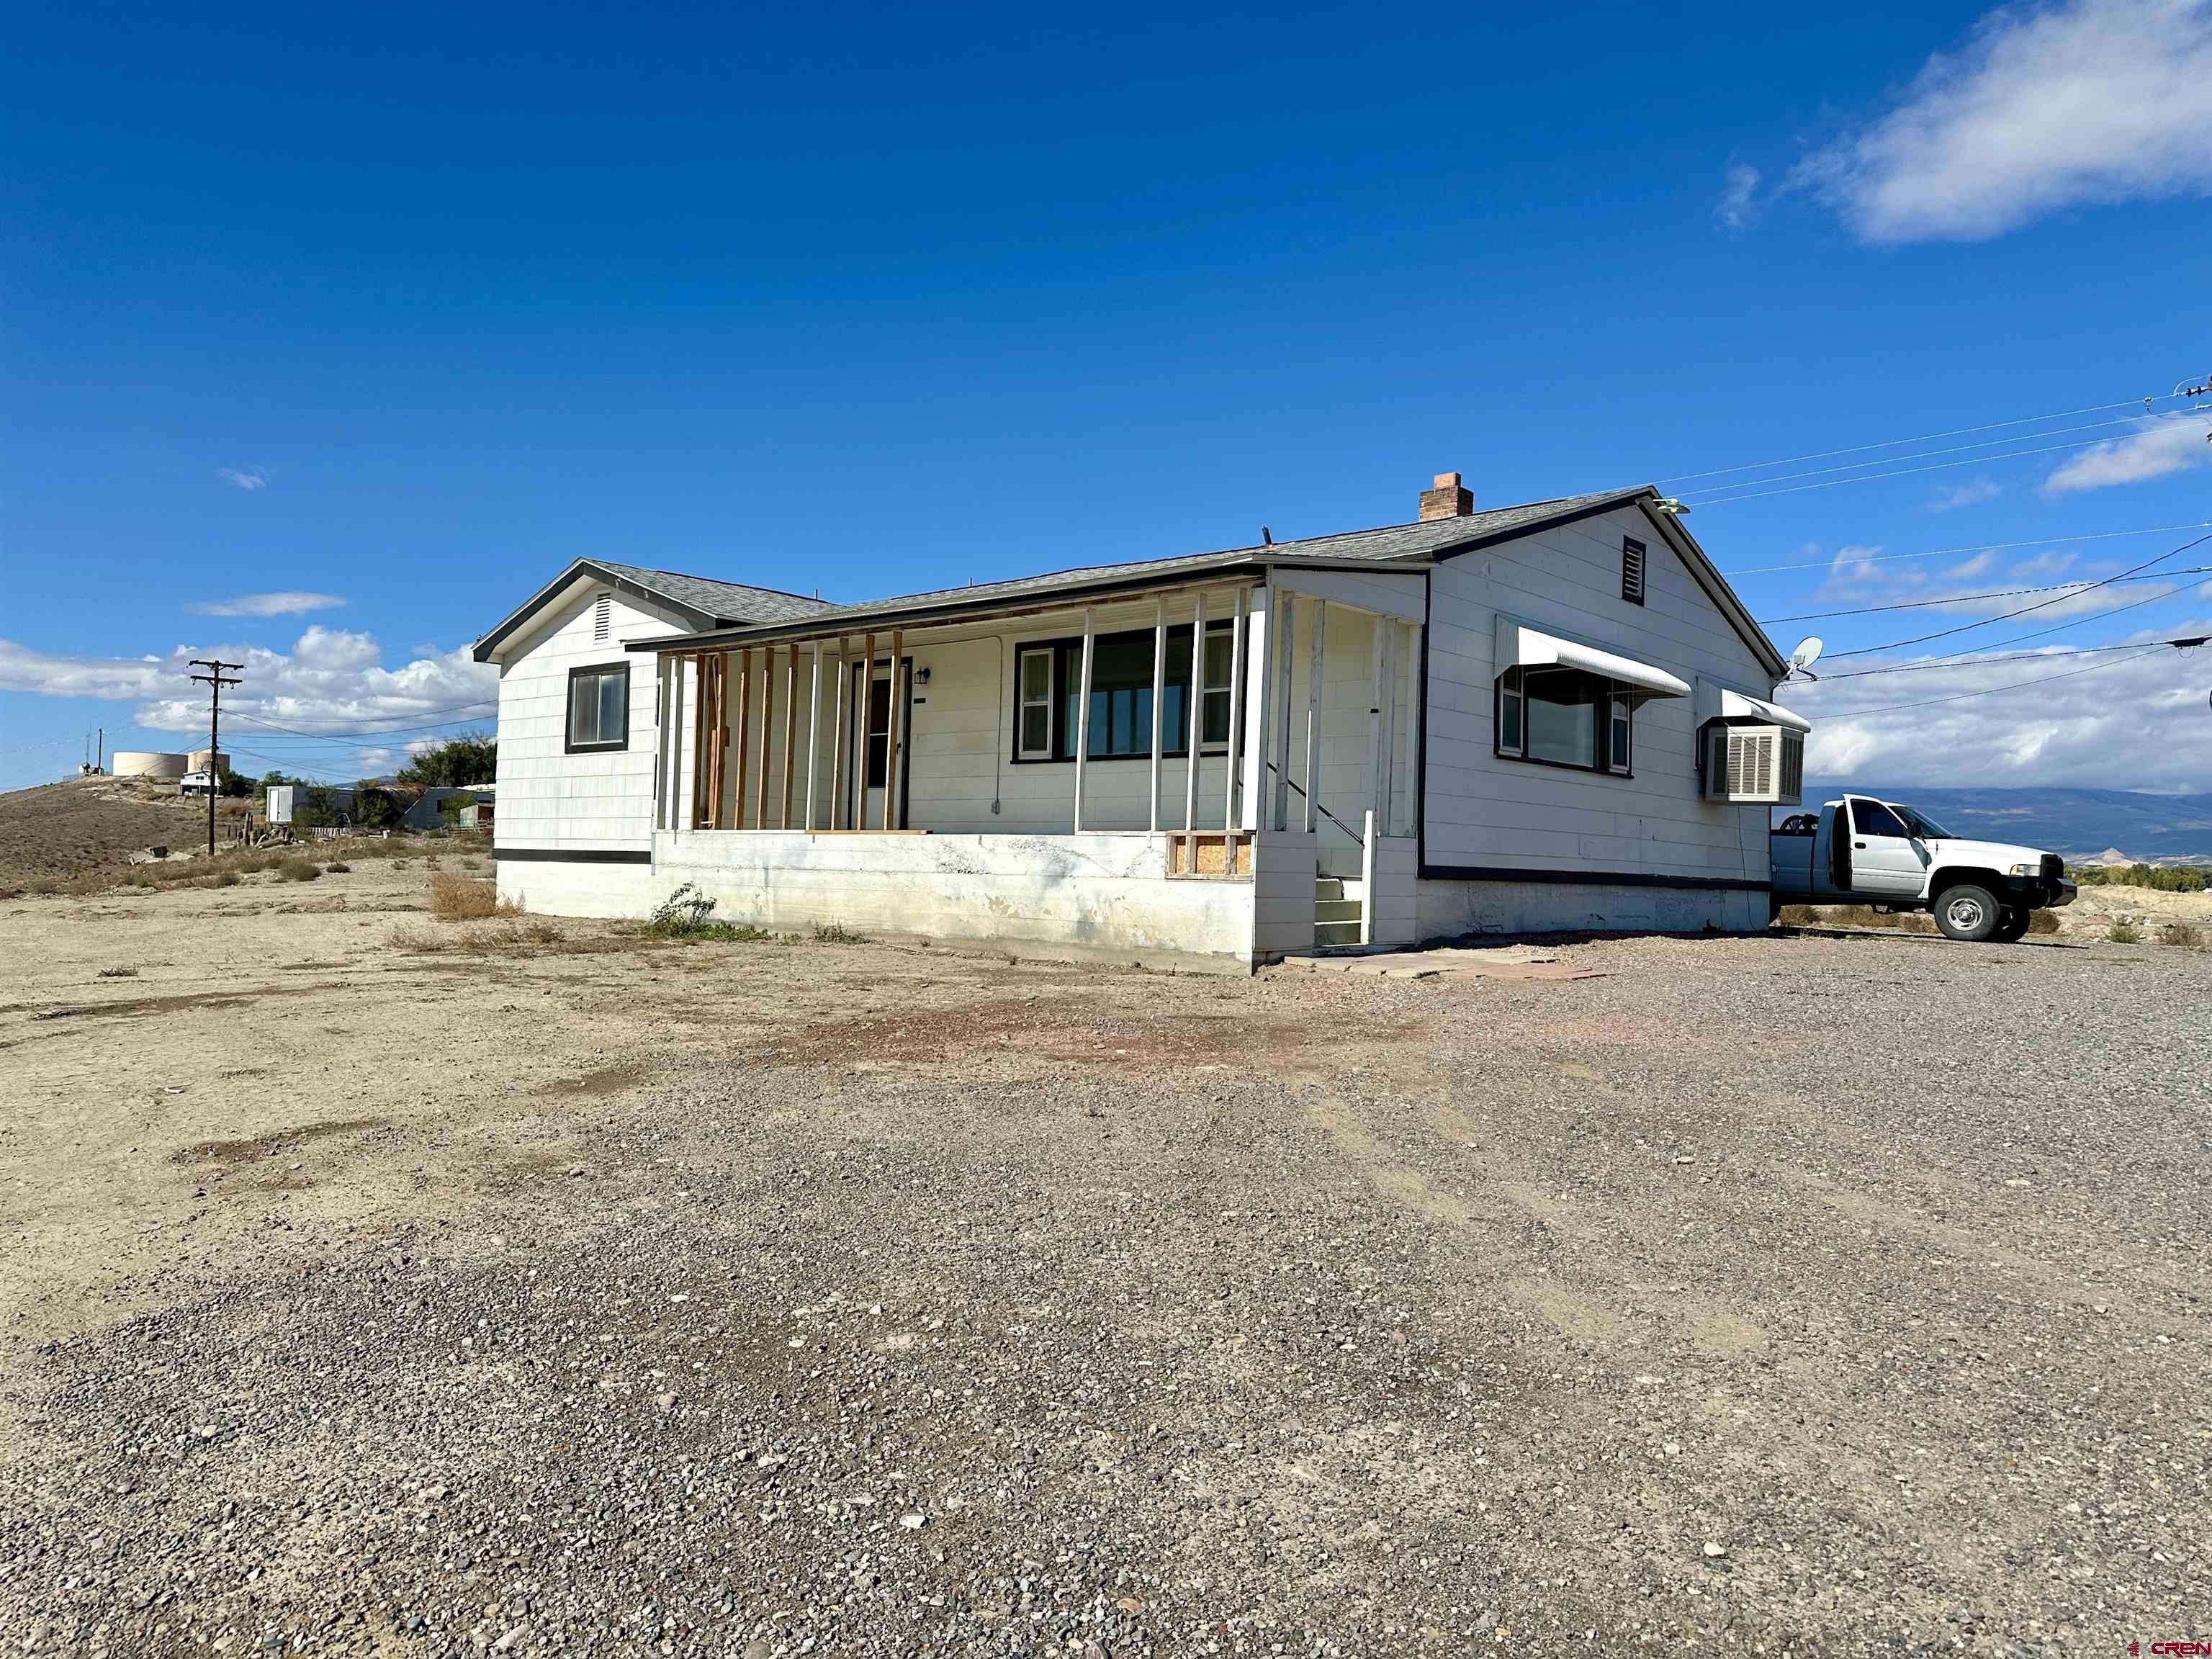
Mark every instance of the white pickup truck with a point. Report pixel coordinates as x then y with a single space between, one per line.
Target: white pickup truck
1859 850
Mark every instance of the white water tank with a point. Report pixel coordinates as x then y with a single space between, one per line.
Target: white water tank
148 764
205 759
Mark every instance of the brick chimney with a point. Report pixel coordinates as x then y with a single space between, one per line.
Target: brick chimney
1449 500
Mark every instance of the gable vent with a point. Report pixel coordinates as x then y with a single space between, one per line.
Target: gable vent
1631 570
603 616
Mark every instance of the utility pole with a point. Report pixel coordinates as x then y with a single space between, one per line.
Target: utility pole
214 680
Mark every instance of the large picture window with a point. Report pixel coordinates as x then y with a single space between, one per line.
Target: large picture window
1048 689
1564 717
598 709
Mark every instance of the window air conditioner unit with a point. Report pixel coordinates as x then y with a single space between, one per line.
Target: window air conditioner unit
1754 763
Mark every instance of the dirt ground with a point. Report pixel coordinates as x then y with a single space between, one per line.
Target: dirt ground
1810 1294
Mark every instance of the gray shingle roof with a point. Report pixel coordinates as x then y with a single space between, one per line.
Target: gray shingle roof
1389 543
731 603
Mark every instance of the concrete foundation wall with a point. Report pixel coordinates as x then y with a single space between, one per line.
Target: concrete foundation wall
1446 910
1103 894
559 888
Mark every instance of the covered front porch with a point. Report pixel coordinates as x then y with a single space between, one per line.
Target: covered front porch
1217 766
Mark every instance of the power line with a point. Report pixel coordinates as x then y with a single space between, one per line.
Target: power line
1979 658
1922 454
1931 702
1925 437
215 679
269 728
1963 598
1977 547
1901 472
2041 605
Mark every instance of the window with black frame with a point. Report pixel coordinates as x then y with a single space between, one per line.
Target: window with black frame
1047 692
1566 717
598 709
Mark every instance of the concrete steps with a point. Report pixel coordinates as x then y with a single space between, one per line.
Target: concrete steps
1336 917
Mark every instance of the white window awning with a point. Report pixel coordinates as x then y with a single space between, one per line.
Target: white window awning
1522 647
1735 705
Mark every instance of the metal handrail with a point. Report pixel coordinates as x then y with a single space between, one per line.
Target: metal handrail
1358 839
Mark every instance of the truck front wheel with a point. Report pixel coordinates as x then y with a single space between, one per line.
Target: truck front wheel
2013 926
1967 912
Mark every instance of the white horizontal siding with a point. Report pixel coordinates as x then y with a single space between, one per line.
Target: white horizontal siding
1483 810
548 797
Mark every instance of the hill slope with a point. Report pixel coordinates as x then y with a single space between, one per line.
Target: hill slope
57 830
2076 823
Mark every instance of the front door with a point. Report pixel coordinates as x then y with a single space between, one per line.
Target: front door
874 746
1886 862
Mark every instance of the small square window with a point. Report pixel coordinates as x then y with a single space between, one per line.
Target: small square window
598 709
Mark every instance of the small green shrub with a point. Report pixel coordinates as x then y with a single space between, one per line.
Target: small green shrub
2124 930
300 869
337 867
2186 934
835 933
118 973
689 914
2042 921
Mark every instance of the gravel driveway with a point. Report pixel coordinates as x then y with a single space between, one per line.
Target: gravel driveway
1810 1295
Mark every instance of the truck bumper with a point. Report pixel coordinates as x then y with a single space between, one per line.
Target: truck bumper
2038 892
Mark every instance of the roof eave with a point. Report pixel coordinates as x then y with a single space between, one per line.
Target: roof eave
950 611
487 648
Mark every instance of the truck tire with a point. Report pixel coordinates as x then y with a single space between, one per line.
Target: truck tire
2012 926
1967 912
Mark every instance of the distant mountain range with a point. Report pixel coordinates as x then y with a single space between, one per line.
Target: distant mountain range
2077 823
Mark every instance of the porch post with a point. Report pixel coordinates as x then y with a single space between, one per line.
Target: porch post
790 728
1313 710
894 731
867 698
1378 784
837 740
1260 672
1391 631
1229 819
1159 697
1190 754
1281 818
813 732
1083 716
744 734
767 726
698 740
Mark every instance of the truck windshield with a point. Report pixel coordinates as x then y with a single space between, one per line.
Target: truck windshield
1925 828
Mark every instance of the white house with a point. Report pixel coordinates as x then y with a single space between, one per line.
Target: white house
1551 717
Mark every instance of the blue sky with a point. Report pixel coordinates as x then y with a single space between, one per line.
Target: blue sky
359 326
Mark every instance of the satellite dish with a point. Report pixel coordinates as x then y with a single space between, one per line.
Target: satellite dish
1807 653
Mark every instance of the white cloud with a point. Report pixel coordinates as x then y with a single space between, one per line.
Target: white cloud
1967 494
2133 723
2157 450
1858 565
59 675
1739 194
2044 108
330 678
267 604
249 479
